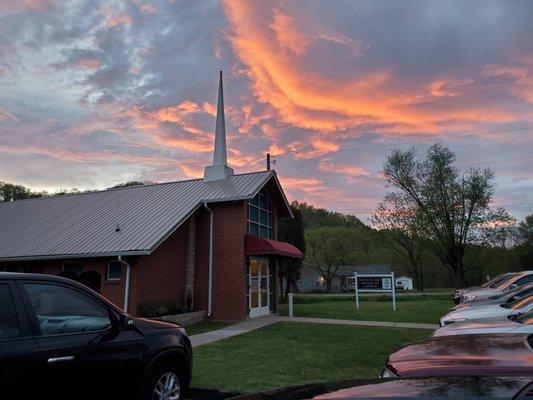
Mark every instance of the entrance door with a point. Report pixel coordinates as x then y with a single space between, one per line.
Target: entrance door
259 286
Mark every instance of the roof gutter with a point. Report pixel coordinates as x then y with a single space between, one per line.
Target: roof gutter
210 279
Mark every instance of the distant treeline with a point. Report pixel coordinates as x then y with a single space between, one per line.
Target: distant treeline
376 247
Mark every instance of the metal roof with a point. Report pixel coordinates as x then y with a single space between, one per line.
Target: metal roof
83 225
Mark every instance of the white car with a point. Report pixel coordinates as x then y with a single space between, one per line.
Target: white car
520 279
492 311
514 323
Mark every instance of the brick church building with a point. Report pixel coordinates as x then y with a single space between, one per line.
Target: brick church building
208 244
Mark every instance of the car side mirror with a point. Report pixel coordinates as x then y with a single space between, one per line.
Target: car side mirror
126 322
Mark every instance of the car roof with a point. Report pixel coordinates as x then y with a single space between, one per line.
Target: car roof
37 277
5 276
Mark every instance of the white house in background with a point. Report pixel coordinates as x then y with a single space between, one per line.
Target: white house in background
312 281
404 282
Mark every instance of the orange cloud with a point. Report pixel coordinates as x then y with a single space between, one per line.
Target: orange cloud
88 63
6 116
15 5
520 75
447 88
121 19
270 42
345 169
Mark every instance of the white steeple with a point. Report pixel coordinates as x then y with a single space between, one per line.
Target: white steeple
219 169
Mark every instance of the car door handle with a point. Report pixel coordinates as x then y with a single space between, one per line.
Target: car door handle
60 359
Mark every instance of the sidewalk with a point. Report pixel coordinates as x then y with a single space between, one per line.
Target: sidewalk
256 323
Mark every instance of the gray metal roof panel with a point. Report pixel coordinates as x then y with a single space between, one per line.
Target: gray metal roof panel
84 224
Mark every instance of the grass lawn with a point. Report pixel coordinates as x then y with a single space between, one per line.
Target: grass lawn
205 326
287 353
427 309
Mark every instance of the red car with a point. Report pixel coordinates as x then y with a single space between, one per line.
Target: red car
464 355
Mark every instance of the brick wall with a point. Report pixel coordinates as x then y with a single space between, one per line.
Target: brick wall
229 261
161 275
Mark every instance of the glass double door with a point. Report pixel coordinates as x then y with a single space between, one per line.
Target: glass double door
259 286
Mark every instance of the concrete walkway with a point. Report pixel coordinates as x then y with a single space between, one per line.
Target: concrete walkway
233 330
412 325
256 323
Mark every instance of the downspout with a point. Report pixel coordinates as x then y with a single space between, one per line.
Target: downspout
210 279
127 289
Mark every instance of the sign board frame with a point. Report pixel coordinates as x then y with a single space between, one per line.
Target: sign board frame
391 290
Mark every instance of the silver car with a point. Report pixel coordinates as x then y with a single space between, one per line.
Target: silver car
492 311
514 323
502 298
459 293
520 279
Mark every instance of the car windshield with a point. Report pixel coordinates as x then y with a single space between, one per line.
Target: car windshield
519 303
499 282
493 280
519 293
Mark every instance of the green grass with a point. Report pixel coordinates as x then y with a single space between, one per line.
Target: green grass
205 326
426 310
286 353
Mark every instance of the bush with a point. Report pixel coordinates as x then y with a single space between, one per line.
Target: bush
159 308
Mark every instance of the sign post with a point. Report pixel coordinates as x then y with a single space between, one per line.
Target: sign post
356 293
377 283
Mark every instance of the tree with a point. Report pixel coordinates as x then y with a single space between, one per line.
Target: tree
329 250
453 208
291 230
525 248
11 192
397 216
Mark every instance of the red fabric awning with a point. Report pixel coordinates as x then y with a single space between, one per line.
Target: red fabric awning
258 246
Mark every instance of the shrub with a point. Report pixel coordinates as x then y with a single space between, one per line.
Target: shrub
159 308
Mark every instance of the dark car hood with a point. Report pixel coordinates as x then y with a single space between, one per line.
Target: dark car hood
147 326
445 387
497 354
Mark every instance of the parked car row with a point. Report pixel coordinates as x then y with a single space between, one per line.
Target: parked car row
490 332
483 348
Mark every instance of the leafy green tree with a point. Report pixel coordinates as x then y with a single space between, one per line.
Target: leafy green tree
525 248
399 218
11 192
453 207
291 230
329 250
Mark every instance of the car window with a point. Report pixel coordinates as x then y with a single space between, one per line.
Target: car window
9 325
495 280
501 282
524 280
520 294
61 310
525 318
520 303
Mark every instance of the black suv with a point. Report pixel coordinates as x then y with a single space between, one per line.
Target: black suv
59 339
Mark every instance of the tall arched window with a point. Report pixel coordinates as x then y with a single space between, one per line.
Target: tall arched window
260 217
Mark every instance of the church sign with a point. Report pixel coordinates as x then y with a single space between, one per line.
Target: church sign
376 283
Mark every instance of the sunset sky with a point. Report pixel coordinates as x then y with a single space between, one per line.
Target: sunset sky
94 93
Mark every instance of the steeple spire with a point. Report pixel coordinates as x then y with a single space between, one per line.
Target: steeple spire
219 169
